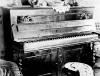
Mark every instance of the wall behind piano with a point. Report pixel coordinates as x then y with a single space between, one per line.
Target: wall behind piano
10 3
97 14
97 10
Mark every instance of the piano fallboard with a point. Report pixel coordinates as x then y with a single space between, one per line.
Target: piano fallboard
33 32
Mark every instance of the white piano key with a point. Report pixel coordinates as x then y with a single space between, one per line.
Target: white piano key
58 42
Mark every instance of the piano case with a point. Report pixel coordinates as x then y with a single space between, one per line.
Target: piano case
44 40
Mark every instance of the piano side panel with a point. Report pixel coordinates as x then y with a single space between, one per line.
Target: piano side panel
5 33
2 47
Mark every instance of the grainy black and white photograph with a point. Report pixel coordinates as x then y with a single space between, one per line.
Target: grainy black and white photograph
49 38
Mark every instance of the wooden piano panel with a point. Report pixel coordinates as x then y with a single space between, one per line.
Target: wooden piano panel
2 47
41 22
34 31
5 33
48 14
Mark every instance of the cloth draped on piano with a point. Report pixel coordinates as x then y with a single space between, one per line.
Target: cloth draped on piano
58 5
8 68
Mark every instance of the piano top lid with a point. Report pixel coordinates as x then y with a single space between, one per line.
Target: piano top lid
49 7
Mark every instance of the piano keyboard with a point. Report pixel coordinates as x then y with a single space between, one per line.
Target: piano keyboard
40 45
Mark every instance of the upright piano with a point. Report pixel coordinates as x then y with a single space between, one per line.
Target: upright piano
43 40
